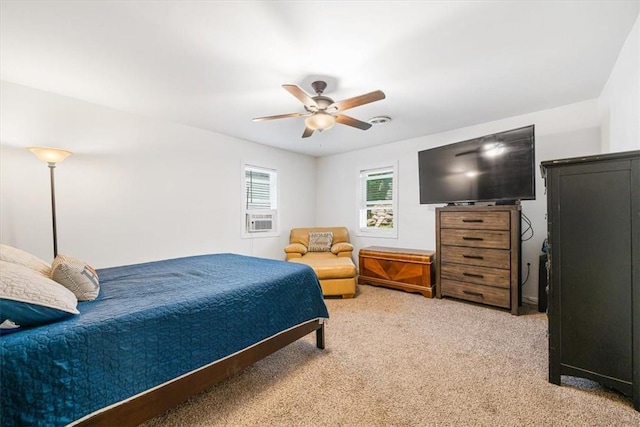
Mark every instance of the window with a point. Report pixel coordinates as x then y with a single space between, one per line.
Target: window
378 207
260 201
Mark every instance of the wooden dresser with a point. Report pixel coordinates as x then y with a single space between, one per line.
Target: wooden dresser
478 254
407 269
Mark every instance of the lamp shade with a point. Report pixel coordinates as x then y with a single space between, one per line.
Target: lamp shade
320 121
49 154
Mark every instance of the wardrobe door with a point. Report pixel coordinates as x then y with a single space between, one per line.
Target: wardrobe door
592 255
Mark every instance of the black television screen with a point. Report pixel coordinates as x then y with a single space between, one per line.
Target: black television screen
492 168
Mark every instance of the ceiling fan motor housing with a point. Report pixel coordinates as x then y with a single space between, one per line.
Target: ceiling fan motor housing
322 101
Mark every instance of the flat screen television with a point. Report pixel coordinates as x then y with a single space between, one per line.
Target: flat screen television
493 168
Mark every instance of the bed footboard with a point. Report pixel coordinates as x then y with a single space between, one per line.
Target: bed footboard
156 401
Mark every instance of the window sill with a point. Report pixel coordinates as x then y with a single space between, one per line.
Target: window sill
390 234
246 235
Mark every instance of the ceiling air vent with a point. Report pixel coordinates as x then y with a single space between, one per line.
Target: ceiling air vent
379 120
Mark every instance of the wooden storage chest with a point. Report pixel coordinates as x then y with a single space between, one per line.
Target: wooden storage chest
409 270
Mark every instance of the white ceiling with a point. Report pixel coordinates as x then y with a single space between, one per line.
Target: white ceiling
218 64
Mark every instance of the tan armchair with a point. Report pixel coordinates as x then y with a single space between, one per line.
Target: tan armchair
328 254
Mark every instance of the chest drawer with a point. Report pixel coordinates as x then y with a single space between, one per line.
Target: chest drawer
476 238
475 220
473 274
497 258
483 294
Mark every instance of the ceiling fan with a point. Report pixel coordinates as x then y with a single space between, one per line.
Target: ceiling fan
322 112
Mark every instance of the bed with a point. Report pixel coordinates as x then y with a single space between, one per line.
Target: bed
158 333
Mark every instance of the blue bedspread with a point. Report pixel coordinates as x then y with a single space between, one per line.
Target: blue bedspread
151 323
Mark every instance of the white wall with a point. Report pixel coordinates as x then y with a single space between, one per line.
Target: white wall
135 189
619 101
140 189
568 131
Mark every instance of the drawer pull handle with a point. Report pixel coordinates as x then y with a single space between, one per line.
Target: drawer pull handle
479 276
471 238
472 220
473 256
475 294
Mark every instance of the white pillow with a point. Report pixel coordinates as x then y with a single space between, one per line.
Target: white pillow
77 276
27 298
18 256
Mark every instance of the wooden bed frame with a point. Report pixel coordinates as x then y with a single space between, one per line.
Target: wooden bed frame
150 404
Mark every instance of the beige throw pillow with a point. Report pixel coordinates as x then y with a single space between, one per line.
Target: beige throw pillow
27 298
20 257
320 241
77 276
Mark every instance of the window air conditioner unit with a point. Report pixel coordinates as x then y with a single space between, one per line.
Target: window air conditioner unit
261 220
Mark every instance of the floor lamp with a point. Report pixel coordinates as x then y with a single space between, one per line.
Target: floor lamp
51 156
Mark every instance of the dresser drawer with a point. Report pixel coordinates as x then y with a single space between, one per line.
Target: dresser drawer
476 238
477 293
475 220
497 258
474 274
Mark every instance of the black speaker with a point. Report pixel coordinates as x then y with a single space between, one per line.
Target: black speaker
542 283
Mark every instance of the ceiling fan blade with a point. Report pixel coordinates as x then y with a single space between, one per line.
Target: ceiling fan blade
307 132
350 121
280 116
301 95
356 101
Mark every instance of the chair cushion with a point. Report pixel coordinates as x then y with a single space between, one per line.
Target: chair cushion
328 267
296 248
341 247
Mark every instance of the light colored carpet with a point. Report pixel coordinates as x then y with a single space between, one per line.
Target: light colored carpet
399 359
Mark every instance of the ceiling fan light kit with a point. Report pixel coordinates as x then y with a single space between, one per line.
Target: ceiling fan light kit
320 121
322 112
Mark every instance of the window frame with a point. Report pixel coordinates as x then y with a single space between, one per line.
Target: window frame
363 230
273 196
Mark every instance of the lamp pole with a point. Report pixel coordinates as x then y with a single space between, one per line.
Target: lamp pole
52 166
51 156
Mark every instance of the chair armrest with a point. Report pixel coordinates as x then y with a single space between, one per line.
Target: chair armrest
341 247
295 248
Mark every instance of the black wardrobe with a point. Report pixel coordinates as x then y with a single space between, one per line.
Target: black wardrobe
593 215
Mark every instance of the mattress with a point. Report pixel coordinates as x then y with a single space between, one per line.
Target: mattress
152 322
